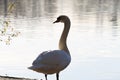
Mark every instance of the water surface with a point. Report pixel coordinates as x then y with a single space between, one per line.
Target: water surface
93 41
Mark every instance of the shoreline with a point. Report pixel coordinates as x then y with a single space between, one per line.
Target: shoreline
14 78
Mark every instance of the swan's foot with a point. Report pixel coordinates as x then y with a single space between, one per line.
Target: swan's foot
57 76
45 76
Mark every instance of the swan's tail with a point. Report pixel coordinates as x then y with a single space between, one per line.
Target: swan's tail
31 67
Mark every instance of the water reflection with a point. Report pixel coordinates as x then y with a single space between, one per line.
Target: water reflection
77 8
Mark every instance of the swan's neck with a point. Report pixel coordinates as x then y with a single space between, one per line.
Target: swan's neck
63 39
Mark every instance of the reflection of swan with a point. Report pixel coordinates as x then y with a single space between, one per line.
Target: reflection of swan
50 62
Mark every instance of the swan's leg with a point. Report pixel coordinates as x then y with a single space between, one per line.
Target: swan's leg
45 76
57 76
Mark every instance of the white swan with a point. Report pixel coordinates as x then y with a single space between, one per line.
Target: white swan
50 62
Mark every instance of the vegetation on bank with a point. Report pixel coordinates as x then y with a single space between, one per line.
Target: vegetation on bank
7 30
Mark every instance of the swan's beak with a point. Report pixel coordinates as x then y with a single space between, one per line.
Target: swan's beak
56 21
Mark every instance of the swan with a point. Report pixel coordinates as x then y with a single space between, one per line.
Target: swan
50 62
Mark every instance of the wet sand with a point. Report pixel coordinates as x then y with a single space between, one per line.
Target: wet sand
14 78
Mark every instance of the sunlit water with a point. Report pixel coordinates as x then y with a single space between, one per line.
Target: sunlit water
94 44
94 49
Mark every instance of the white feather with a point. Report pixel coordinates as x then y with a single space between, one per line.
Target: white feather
53 60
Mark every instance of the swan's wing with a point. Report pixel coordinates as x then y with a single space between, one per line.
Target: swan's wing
56 57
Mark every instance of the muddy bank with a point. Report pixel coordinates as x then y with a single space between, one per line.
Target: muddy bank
14 78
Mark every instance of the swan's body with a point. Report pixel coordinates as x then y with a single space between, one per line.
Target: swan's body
50 62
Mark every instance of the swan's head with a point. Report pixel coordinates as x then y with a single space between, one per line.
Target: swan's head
62 19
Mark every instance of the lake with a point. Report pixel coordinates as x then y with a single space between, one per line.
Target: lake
93 41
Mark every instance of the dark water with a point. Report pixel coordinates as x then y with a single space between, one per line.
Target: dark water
94 38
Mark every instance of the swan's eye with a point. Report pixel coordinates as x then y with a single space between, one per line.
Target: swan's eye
59 19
